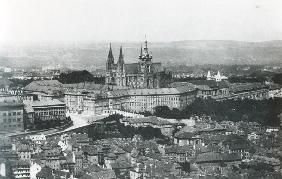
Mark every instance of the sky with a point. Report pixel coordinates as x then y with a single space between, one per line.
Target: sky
130 20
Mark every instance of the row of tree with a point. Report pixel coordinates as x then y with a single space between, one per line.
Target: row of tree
265 112
79 77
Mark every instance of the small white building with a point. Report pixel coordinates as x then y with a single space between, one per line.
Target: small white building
218 77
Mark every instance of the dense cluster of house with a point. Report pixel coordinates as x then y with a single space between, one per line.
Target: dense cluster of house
204 148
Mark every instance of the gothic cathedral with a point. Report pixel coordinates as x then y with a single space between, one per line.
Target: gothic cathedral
144 74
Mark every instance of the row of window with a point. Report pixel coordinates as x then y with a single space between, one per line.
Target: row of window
12 120
50 113
16 125
11 113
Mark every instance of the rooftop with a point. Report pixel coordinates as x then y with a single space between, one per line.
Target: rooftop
42 103
150 119
215 157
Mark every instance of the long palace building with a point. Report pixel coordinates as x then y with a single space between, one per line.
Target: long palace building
143 74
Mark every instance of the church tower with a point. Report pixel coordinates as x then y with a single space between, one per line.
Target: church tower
111 60
145 67
121 69
145 60
110 67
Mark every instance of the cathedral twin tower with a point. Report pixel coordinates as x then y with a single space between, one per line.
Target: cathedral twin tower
143 74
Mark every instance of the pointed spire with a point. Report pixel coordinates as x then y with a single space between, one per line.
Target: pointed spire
141 51
120 58
111 60
110 52
120 52
146 44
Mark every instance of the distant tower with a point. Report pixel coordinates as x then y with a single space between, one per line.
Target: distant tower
110 65
120 62
209 77
145 59
111 60
120 69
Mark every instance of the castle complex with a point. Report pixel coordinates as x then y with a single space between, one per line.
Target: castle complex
143 74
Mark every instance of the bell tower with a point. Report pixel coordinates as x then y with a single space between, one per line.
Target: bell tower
145 59
121 69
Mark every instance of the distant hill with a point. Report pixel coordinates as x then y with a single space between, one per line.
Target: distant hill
93 55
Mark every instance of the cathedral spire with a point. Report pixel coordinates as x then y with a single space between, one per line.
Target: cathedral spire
141 51
110 52
110 60
146 45
120 58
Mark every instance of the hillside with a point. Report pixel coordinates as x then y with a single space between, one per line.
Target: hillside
93 55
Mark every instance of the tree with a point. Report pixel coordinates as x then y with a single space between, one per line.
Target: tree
80 76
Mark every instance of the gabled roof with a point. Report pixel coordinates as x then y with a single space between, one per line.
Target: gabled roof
45 86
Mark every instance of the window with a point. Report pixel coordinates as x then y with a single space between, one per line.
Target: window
4 114
19 119
14 113
19 113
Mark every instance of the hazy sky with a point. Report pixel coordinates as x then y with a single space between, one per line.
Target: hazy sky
129 20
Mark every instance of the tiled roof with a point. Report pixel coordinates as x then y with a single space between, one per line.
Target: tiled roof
215 157
46 102
45 86
159 91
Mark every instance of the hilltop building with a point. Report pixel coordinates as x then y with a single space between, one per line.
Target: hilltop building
143 74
